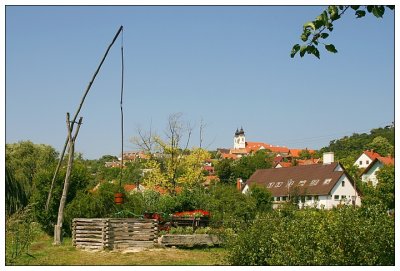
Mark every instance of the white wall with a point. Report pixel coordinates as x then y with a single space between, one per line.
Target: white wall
365 161
370 176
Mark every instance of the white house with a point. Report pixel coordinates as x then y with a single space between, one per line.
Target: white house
320 185
369 174
366 158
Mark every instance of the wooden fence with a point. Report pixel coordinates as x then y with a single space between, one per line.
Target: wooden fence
114 233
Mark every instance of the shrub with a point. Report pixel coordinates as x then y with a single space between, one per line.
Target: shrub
343 236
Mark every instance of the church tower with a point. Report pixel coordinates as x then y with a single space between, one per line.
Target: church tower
239 141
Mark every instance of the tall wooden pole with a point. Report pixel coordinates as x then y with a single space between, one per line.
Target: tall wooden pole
71 144
76 115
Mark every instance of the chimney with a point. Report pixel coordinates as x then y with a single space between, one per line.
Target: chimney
239 183
328 158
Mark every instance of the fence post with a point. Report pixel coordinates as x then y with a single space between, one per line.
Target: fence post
105 233
74 232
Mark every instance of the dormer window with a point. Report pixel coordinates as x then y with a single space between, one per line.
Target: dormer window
327 181
302 183
314 182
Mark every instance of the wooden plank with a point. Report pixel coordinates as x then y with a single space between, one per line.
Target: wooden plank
84 231
89 240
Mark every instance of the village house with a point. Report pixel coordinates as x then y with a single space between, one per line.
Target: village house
366 158
369 174
322 186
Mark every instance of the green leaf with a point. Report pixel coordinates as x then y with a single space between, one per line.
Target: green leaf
303 50
324 35
391 7
316 52
369 8
331 48
325 18
377 11
360 13
309 25
319 22
295 49
355 7
304 37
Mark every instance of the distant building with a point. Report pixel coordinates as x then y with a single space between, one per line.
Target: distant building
241 148
366 158
369 174
323 185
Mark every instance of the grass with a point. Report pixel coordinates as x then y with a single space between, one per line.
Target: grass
43 253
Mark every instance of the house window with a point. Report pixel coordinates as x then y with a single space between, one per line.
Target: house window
360 163
342 183
309 197
327 181
278 198
367 162
284 198
302 183
336 197
343 197
316 197
278 184
314 182
270 184
290 183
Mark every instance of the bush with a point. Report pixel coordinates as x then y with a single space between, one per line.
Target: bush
343 236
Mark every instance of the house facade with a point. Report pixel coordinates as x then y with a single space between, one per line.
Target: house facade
369 174
365 159
322 186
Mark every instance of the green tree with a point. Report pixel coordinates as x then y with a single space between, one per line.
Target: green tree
262 197
382 146
305 154
316 32
224 170
247 165
386 186
24 160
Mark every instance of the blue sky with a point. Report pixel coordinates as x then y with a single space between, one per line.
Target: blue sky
229 66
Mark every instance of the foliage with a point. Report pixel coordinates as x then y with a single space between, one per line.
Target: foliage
16 197
317 31
229 207
382 146
224 171
349 148
262 196
169 173
78 182
24 161
315 237
21 230
247 165
386 186
305 154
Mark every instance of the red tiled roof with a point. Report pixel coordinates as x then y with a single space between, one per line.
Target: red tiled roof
129 187
296 152
284 164
307 180
304 162
229 156
371 154
386 160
